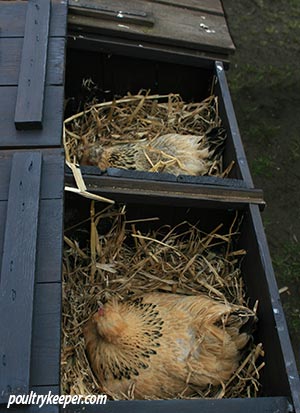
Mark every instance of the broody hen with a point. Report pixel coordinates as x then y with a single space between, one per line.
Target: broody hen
163 345
171 153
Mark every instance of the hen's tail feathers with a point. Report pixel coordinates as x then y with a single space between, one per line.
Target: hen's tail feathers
241 324
216 138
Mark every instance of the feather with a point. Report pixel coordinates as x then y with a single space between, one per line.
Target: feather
162 345
171 153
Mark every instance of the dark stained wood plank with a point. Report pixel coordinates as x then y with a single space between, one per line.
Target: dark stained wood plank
51 135
32 77
136 190
52 174
11 50
45 361
3 213
50 241
18 274
13 16
257 405
52 185
51 212
131 174
173 25
228 117
147 50
208 6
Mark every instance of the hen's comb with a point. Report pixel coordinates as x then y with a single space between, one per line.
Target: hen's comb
100 308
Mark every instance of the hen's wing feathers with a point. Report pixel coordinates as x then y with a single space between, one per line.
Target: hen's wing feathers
169 340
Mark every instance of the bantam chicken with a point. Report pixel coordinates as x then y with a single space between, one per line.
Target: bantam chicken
171 153
165 345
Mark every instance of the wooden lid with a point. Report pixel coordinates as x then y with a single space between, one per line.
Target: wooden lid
198 25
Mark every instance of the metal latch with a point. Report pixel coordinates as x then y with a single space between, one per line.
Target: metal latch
104 12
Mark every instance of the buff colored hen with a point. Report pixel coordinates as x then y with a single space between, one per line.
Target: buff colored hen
171 153
163 345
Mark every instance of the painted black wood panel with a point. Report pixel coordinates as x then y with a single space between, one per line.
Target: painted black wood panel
145 50
45 361
262 405
50 135
136 190
32 76
234 145
18 273
165 177
13 16
11 50
49 241
52 184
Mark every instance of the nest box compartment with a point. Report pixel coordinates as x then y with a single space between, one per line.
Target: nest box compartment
114 61
278 381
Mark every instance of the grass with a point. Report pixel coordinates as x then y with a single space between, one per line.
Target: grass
264 82
267 75
287 263
263 132
263 166
295 148
287 266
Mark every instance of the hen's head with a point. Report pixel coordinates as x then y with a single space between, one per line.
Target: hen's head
93 154
109 322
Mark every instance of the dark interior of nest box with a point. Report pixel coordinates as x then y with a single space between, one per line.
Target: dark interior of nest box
116 75
257 286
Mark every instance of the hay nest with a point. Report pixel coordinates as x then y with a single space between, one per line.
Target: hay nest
119 260
142 118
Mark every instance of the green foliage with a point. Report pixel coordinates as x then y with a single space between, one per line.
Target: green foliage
262 166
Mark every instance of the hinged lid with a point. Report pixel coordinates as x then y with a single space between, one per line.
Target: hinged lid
196 26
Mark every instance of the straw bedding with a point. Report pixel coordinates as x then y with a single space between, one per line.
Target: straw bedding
144 117
118 259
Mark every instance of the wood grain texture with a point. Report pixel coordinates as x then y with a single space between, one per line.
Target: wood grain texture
32 76
18 274
136 190
173 25
49 241
50 136
258 405
227 114
13 16
211 6
52 185
131 174
11 51
50 224
45 361
151 51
